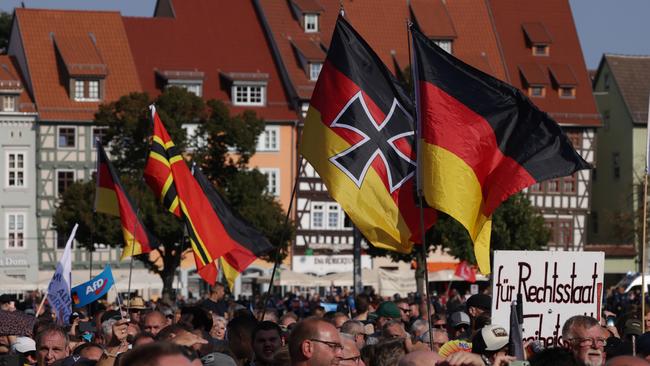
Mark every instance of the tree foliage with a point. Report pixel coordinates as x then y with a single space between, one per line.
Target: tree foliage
5 30
223 155
516 225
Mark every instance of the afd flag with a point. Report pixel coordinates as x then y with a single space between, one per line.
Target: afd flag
58 291
94 289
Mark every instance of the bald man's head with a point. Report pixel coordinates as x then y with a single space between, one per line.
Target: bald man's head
154 322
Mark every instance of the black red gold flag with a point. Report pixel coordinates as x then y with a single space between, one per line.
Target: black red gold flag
112 199
249 243
359 136
166 171
481 140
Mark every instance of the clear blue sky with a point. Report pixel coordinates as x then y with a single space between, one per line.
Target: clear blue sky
604 26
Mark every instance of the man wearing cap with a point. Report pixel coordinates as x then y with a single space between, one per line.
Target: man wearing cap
136 306
459 324
584 336
26 348
386 311
491 343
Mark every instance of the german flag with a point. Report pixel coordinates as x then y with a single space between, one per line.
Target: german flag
249 243
208 237
481 141
359 135
112 199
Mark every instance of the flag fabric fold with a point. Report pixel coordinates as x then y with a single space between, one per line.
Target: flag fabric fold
465 271
480 141
248 242
112 199
58 291
359 134
93 290
170 178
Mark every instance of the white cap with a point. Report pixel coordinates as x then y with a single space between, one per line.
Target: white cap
24 345
495 337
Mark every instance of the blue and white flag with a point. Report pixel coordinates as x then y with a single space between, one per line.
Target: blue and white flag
94 289
58 292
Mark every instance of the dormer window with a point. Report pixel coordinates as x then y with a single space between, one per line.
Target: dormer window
9 103
537 91
310 22
540 50
86 90
249 94
567 92
445 44
246 88
314 70
190 80
538 38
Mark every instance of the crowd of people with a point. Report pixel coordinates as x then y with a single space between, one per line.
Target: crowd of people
298 330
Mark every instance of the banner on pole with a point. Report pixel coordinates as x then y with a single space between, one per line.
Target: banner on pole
554 286
58 291
93 290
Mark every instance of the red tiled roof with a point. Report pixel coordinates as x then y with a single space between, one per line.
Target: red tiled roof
514 20
383 24
563 74
79 54
307 6
309 49
533 74
12 80
433 18
536 33
77 34
214 37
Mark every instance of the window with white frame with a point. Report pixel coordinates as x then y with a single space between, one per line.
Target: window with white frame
15 230
249 94
329 216
86 90
16 169
272 180
445 44
64 179
67 137
314 70
333 216
269 139
311 23
317 213
8 103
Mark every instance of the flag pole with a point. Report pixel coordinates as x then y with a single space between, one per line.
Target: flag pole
135 227
137 221
644 251
420 192
276 257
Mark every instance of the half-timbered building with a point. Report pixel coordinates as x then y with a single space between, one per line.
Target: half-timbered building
71 61
543 58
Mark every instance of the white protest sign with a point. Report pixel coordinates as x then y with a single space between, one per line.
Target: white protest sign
554 286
